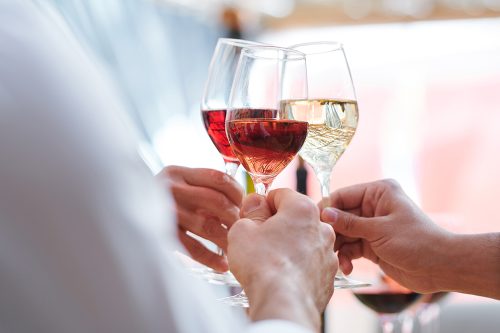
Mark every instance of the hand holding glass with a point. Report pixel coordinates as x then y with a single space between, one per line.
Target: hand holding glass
264 138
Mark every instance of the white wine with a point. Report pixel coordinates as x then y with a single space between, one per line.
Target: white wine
332 124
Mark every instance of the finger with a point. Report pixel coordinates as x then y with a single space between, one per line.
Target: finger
324 203
341 240
256 208
293 204
350 225
357 250
205 201
328 234
345 264
365 199
350 197
206 227
201 254
213 179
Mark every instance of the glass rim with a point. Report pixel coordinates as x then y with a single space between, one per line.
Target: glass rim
238 42
251 50
328 46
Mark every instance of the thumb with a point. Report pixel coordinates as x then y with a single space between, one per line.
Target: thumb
348 224
255 207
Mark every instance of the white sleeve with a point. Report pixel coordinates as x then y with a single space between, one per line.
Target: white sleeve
85 232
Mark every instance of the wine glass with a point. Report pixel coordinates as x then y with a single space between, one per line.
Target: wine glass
215 98
331 110
214 104
388 299
264 138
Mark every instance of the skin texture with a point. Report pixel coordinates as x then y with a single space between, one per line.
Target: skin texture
379 221
207 203
282 255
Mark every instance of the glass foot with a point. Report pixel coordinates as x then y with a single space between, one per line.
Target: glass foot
214 277
240 300
343 282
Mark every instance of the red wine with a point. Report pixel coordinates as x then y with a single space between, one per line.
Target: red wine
215 124
266 146
387 301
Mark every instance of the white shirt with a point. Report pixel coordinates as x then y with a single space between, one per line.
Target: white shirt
86 234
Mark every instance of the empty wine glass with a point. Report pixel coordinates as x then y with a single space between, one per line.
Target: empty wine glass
264 138
214 104
331 110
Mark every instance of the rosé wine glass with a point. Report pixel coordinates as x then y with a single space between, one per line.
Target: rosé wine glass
264 138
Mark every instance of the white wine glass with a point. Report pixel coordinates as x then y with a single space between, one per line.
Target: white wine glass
264 138
331 109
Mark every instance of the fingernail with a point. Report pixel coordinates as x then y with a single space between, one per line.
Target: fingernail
251 203
330 214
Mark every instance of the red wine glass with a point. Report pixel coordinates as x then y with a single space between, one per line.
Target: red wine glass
264 138
214 104
215 98
388 299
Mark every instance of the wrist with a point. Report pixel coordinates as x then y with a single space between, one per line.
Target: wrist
470 265
445 266
282 296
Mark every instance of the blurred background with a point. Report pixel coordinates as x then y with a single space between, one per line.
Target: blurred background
427 77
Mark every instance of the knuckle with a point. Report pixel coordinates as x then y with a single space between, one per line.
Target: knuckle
329 234
307 206
390 183
177 189
239 227
170 170
218 177
348 223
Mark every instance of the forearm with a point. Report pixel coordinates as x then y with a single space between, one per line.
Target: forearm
471 265
282 298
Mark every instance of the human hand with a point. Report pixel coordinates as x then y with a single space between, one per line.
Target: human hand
379 221
282 255
207 203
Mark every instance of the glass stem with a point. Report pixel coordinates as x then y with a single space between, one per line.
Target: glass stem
261 188
231 168
261 184
387 323
324 181
407 322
